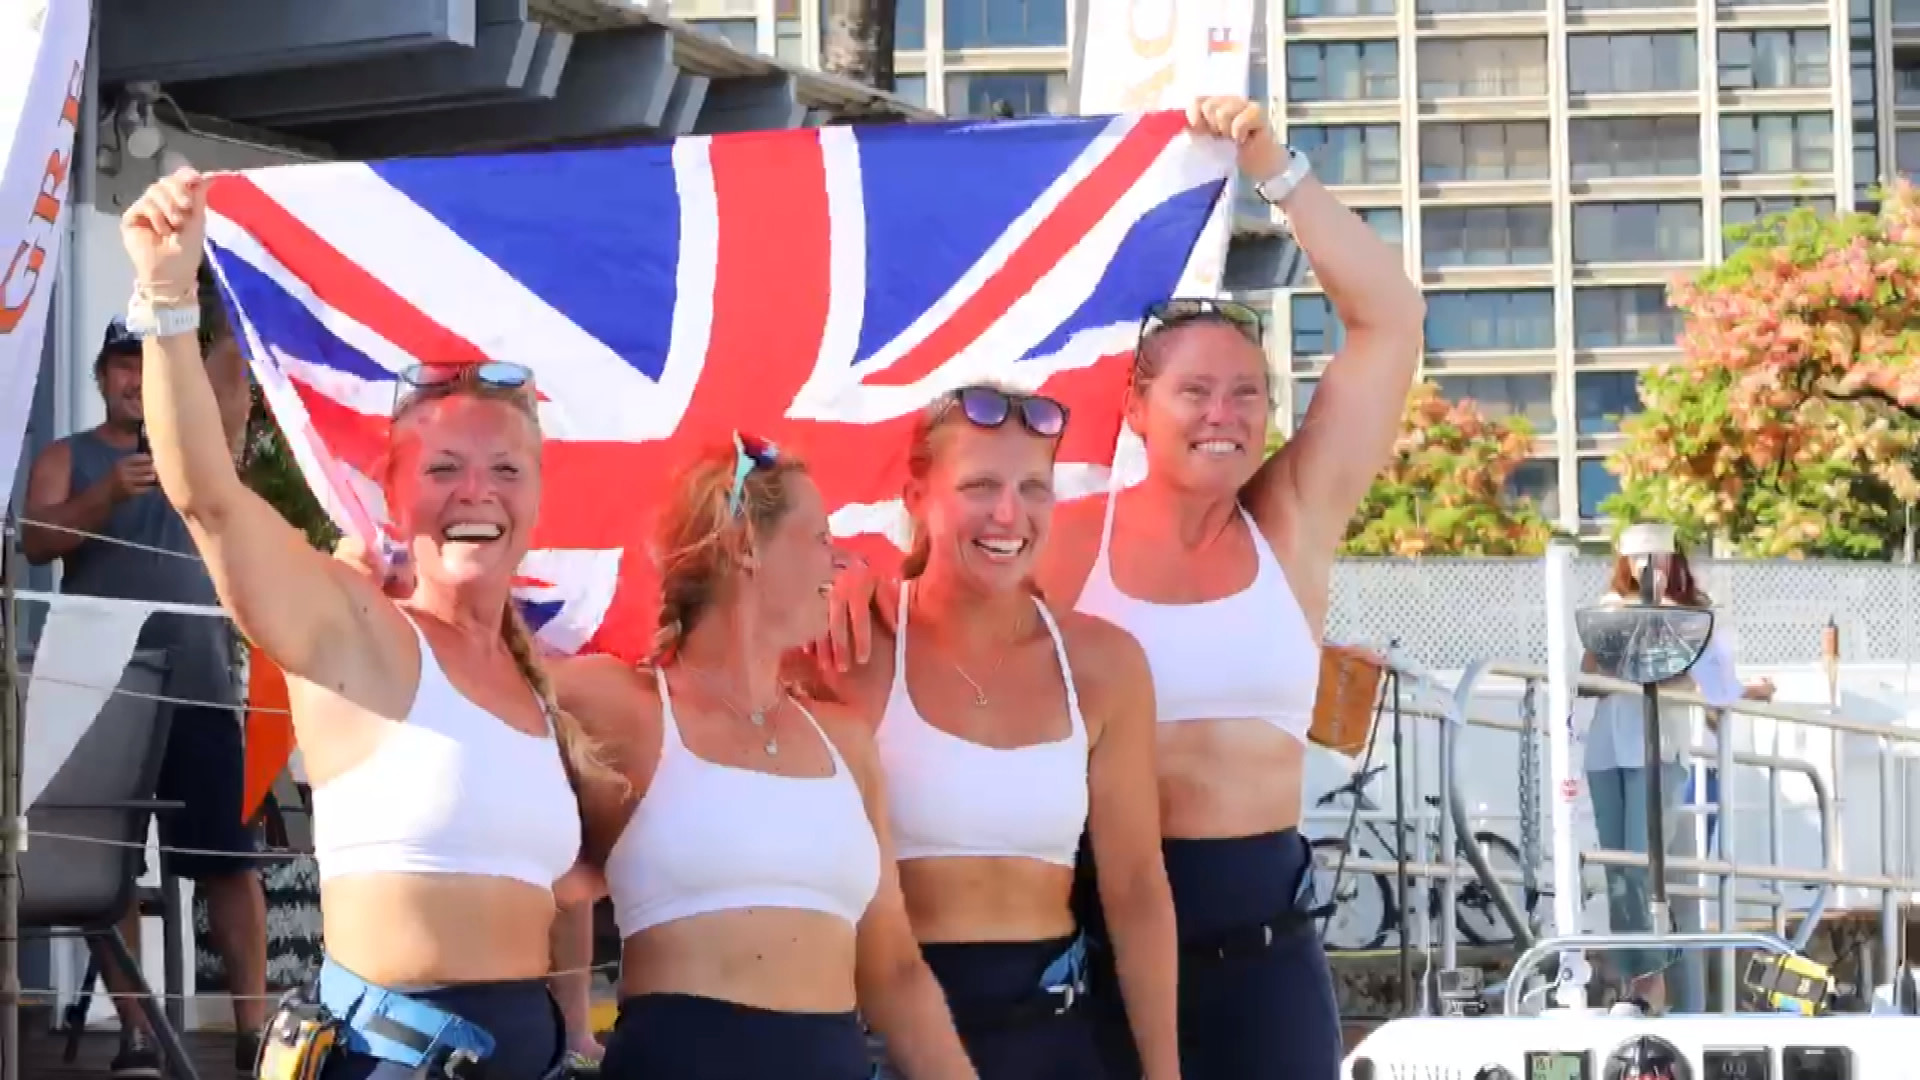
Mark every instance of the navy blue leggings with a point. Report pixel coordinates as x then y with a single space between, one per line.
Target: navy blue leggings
683 1037
529 1036
991 986
1256 1013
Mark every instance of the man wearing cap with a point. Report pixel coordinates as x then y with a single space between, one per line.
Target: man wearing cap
116 536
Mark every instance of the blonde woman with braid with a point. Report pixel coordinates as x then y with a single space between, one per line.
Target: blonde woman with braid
442 772
750 869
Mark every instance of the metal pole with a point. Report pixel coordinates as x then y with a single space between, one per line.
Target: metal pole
1561 658
1656 825
13 819
1403 878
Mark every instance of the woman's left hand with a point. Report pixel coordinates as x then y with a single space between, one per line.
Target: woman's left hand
1261 156
583 1044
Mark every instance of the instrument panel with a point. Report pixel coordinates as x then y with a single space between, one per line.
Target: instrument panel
1602 1047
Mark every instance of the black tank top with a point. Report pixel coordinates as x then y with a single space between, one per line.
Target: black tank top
201 649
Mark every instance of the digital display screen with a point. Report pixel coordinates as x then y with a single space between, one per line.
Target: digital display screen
1738 1064
1557 1065
1816 1063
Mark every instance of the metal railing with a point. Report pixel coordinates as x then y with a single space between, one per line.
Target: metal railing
1457 709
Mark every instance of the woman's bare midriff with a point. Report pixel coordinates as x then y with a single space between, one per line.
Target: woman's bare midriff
416 931
968 899
1226 778
782 959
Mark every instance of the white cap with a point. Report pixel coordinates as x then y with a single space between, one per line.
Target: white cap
1647 539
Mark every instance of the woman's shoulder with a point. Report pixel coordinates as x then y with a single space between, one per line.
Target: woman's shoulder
1100 652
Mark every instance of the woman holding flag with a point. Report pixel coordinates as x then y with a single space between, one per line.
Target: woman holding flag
1005 733
442 771
1219 564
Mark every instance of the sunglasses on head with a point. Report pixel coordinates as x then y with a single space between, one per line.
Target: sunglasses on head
1183 310
749 454
990 407
425 380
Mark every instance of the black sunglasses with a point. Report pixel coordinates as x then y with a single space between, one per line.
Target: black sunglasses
498 376
1180 311
990 407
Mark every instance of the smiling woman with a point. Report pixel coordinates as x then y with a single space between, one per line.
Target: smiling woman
445 816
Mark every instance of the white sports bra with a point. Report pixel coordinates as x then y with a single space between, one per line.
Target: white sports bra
1248 655
452 789
709 838
951 797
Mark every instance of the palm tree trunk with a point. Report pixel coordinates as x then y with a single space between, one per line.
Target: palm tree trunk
857 40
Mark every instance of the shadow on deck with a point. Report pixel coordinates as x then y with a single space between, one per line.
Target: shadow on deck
212 1051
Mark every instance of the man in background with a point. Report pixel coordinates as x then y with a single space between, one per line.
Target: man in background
101 483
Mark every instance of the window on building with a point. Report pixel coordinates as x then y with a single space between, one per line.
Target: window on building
1632 63
999 24
990 93
1343 71
1528 396
1738 213
1906 78
1624 317
1774 59
1484 150
1776 143
1618 146
1486 236
1602 398
1474 7
1314 9
1386 221
1488 319
1484 67
1302 397
1612 232
742 34
911 88
1351 153
1538 481
1596 484
1316 329
1625 5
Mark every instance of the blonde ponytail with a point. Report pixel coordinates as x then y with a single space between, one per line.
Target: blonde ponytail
585 758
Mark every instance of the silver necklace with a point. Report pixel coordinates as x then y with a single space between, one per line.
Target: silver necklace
756 717
980 691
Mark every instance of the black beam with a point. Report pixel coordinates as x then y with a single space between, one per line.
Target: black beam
617 81
684 104
497 66
186 40
756 103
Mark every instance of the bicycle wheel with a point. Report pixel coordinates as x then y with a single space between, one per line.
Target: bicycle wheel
1474 911
1363 912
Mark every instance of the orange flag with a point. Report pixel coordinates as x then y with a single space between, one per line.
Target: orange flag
269 730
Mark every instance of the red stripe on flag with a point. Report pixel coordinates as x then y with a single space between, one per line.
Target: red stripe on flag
1066 226
337 280
769 316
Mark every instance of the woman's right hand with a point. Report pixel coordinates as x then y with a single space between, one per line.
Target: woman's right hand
849 638
165 232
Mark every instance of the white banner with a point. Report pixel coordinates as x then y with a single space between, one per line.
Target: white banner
43 53
1135 55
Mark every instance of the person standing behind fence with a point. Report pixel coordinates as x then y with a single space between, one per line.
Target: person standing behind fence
116 536
1617 779
445 820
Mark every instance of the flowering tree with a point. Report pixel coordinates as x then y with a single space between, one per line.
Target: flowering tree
1445 493
1785 428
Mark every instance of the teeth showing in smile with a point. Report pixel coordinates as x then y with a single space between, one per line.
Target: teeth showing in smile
1217 447
473 532
1001 549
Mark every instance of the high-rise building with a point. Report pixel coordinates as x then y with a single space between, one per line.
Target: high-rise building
1547 166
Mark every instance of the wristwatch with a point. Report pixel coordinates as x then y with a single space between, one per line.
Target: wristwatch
147 321
1275 189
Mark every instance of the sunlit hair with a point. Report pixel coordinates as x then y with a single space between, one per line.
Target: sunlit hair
923 452
701 541
1149 355
1681 586
585 757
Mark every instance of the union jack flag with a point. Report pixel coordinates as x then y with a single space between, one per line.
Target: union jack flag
814 287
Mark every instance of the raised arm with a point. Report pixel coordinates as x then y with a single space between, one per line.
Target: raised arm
301 607
1317 481
898 994
1124 825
